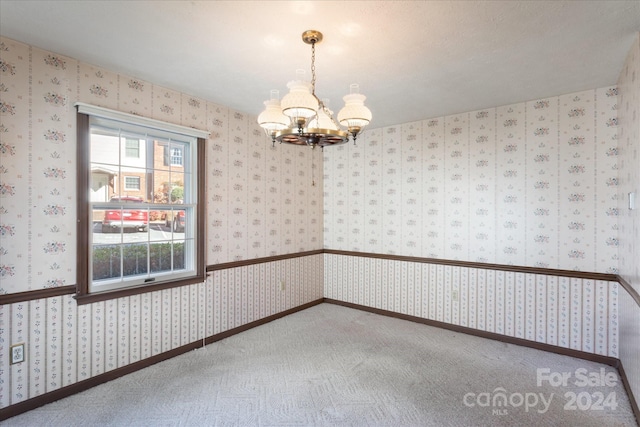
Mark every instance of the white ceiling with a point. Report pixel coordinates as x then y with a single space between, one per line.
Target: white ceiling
413 59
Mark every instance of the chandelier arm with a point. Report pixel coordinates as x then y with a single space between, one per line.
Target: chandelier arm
328 113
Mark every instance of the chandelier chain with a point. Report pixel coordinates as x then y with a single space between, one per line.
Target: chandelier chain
313 168
313 68
321 104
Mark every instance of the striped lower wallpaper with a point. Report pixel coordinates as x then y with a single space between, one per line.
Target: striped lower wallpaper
66 343
573 313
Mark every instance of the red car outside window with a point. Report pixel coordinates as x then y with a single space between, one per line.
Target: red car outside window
116 220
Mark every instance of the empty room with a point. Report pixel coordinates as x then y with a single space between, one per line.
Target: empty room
420 213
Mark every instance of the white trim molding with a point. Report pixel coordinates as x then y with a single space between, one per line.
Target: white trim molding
106 113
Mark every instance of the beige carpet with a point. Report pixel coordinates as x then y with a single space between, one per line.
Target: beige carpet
335 366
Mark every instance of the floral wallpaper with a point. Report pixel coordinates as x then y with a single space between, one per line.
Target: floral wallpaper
629 166
260 202
260 199
629 176
530 184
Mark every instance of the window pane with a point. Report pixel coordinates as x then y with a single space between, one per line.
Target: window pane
161 257
106 262
97 215
125 219
135 259
105 148
176 183
161 186
188 220
187 179
161 154
179 155
133 151
179 256
131 185
102 182
157 219
162 223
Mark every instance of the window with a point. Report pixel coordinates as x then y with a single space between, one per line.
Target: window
172 156
141 224
132 148
176 156
132 183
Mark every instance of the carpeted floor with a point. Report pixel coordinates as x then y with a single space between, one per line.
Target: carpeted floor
335 366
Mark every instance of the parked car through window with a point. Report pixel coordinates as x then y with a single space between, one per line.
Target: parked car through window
175 220
123 219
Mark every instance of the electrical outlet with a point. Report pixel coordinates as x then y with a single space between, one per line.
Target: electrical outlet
282 286
454 295
17 353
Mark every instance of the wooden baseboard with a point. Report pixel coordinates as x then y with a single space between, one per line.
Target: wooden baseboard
627 387
33 403
611 361
230 332
607 360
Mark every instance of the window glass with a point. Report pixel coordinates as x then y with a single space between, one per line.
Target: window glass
132 183
143 205
176 156
132 148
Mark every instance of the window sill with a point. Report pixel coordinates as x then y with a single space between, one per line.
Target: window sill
82 299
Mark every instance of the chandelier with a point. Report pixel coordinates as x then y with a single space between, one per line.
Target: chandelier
301 118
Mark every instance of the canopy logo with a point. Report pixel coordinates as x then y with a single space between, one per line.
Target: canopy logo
499 400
